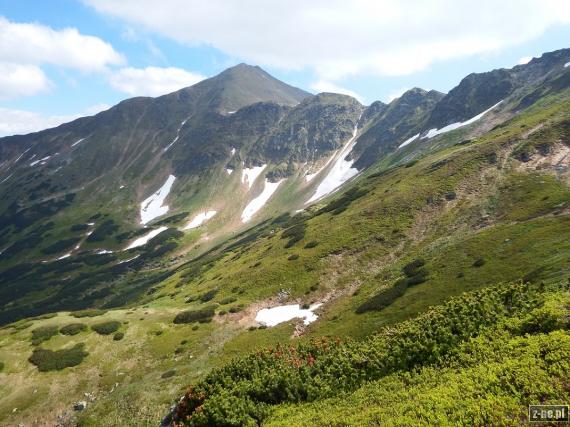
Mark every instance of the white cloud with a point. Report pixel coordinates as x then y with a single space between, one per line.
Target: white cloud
397 94
35 44
97 108
18 122
337 38
152 81
21 80
524 60
326 86
15 122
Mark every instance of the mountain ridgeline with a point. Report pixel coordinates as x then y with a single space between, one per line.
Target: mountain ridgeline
285 146
166 241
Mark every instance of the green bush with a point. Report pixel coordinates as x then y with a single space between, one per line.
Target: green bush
384 298
412 268
49 360
60 246
73 329
44 333
208 296
294 234
311 244
104 230
479 262
341 204
189 316
228 300
90 312
293 257
44 316
168 374
118 336
106 328
79 227
246 389
1 366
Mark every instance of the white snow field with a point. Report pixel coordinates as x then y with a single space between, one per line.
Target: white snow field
177 134
143 240
200 219
249 175
309 177
257 203
340 172
434 132
152 207
276 315
409 140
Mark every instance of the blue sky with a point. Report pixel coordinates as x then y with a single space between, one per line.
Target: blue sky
371 49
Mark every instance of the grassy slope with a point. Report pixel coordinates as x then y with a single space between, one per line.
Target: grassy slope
403 216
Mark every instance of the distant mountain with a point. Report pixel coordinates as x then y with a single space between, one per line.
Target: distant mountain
234 149
399 120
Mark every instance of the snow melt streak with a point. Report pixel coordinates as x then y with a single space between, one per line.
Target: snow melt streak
257 203
177 134
200 219
143 240
340 172
433 132
152 207
409 140
276 315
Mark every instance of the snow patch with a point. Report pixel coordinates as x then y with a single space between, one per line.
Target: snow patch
77 142
434 132
309 177
276 315
64 256
340 172
231 112
177 134
233 151
567 65
248 176
257 203
20 156
409 140
129 260
200 219
103 252
121 187
229 171
143 240
42 161
152 207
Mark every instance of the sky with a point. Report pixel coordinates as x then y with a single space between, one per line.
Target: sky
62 59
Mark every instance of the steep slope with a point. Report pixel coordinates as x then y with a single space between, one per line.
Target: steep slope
400 120
393 242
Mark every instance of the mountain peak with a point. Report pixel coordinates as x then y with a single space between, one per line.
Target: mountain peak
243 85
